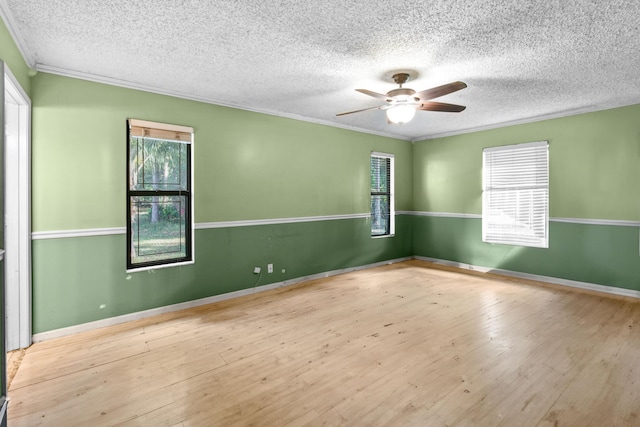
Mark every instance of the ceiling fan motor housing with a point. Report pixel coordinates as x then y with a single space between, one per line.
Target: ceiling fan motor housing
401 91
401 94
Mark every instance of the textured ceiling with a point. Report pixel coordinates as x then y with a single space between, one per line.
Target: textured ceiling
522 60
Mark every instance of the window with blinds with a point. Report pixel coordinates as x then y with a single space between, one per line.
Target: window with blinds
159 195
515 197
382 204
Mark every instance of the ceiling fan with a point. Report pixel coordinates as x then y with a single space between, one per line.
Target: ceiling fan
402 103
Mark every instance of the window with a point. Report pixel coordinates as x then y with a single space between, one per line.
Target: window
159 195
382 204
515 197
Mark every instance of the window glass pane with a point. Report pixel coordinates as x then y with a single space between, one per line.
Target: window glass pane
379 175
158 164
379 215
158 228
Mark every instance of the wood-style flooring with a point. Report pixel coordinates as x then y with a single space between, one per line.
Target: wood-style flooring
399 345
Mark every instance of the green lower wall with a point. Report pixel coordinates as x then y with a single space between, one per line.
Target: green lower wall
600 254
74 277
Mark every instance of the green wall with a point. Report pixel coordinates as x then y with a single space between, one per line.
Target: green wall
594 166
10 54
251 166
247 166
594 170
77 280
599 254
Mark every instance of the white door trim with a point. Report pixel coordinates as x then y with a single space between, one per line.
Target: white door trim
18 156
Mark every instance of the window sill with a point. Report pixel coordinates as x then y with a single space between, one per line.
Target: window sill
384 236
156 267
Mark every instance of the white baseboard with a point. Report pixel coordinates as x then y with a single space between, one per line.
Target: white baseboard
62 332
548 279
111 321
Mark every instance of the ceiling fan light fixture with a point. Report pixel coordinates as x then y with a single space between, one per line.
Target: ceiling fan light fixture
401 103
400 114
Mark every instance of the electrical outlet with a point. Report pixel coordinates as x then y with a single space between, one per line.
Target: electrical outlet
269 268
256 270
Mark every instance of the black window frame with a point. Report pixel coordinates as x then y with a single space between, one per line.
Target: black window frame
390 215
188 214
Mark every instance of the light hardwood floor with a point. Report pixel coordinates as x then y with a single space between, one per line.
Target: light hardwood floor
398 345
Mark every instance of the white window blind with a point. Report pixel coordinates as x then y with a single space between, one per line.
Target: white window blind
515 197
382 203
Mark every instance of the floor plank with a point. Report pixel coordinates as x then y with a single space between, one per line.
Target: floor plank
14 360
406 344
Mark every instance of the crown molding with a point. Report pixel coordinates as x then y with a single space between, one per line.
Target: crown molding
152 89
12 27
556 115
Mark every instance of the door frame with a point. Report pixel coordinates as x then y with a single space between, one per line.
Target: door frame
18 304
3 372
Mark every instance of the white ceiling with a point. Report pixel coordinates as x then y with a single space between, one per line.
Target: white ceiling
522 60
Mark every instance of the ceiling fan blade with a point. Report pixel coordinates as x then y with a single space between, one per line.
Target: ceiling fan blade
440 106
358 111
374 94
439 91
